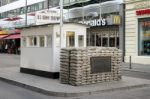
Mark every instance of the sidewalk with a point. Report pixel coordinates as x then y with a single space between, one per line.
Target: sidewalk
136 67
53 87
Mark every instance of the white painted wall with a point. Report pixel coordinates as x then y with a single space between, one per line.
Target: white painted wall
77 28
39 58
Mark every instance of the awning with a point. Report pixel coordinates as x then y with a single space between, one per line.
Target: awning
3 36
13 36
12 18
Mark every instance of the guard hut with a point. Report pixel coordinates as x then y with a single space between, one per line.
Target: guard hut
40 47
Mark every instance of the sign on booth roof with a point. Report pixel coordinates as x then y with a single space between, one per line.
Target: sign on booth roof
47 16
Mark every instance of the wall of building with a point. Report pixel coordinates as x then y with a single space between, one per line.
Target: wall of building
131 34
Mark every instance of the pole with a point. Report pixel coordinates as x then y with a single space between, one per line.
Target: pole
48 4
100 10
130 64
61 23
25 12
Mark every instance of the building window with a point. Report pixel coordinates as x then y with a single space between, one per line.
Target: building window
32 41
29 9
36 7
32 8
41 5
70 40
22 10
144 36
42 41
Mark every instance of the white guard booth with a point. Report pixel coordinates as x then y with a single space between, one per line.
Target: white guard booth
40 47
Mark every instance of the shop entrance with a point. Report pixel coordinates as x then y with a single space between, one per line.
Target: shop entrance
107 37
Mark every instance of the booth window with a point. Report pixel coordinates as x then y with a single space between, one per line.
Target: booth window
57 39
49 41
144 36
70 39
42 41
80 40
33 41
24 41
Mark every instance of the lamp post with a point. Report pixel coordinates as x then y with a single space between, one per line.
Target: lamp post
26 13
100 10
61 23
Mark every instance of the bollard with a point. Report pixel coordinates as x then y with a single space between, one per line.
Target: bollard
130 63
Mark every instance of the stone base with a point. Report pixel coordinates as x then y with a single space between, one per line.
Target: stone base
76 68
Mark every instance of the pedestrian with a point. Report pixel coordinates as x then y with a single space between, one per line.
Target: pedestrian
0 47
6 48
3 47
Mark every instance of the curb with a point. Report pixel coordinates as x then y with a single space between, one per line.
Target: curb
63 94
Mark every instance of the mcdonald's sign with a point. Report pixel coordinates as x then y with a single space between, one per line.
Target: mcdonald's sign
116 19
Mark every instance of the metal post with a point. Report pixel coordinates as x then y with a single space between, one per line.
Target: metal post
100 10
61 23
26 13
82 14
122 30
130 63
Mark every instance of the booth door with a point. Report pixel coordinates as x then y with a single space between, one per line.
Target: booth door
70 39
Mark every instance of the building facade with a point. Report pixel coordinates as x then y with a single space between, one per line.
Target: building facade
106 21
105 17
137 42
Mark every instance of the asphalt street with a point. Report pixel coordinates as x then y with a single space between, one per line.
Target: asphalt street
143 93
8 91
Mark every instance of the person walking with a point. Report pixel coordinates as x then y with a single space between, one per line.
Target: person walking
0 47
6 48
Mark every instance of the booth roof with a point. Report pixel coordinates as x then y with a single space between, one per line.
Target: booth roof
50 24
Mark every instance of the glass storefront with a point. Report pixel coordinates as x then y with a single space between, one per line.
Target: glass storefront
144 36
106 37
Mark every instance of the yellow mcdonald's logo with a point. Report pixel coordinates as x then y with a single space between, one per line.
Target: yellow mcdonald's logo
116 19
